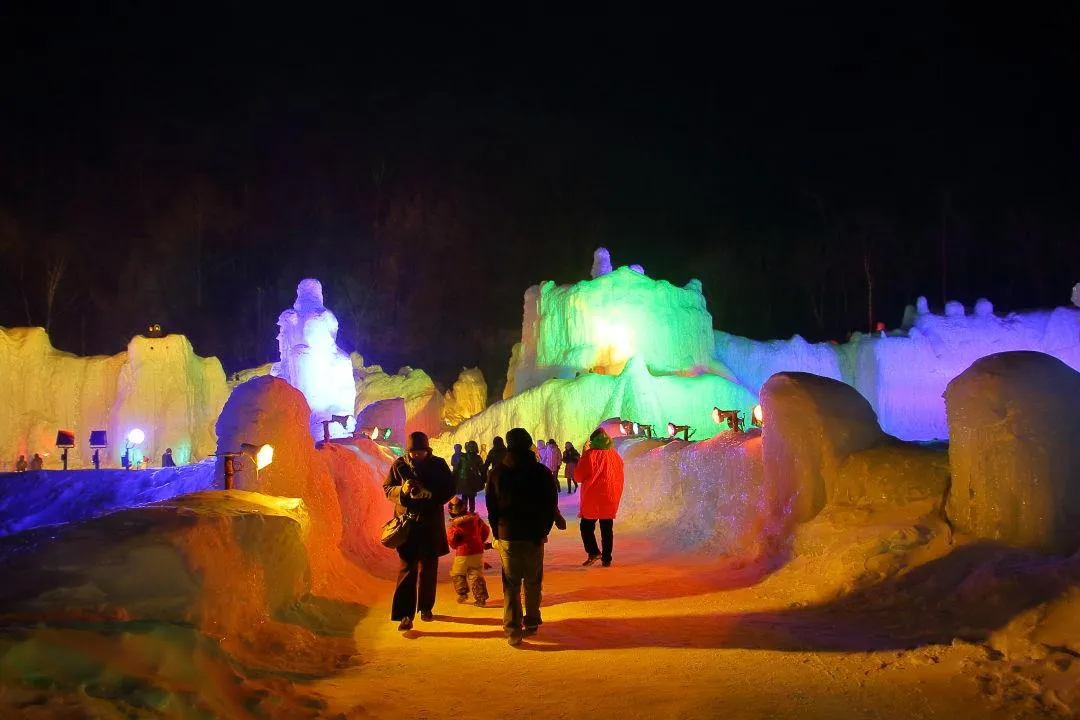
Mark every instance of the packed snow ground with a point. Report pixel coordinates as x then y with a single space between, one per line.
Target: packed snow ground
691 634
668 631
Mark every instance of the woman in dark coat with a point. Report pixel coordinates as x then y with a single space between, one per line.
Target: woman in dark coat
421 483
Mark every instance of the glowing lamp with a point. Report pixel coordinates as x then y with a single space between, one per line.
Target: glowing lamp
637 429
386 433
757 418
673 430
136 436
264 457
374 434
732 417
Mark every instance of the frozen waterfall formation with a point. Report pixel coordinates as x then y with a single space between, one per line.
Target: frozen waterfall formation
158 385
312 362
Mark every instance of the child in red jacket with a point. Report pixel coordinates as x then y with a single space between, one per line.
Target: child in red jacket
467 534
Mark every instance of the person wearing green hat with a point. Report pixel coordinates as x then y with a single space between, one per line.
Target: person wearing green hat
599 474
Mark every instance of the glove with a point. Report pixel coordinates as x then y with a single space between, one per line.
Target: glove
560 521
420 494
407 487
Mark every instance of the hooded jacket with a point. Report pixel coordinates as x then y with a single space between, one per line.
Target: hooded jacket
600 476
522 499
467 533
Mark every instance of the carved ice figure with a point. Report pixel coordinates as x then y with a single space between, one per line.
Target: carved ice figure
601 262
312 362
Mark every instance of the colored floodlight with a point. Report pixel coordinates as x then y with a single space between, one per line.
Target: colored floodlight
757 417
136 436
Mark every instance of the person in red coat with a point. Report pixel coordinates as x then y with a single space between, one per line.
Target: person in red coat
600 475
466 535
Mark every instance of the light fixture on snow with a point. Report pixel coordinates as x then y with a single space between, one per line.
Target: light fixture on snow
386 433
99 440
733 418
134 437
673 430
757 417
260 456
65 439
343 420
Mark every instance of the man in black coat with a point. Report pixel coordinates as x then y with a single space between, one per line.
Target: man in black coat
420 483
523 503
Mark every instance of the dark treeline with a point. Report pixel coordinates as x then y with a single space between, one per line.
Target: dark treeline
815 191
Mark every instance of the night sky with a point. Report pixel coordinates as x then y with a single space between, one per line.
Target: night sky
816 170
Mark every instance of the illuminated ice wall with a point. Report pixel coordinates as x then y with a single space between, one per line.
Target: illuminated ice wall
904 373
597 325
312 362
158 385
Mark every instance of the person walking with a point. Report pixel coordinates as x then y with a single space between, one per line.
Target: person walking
522 506
600 474
469 474
570 458
495 456
553 460
420 483
467 534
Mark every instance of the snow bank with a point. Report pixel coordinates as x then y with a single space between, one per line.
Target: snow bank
270 410
197 607
1014 452
811 425
217 560
699 493
312 362
599 324
158 385
49 497
571 409
359 468
466 398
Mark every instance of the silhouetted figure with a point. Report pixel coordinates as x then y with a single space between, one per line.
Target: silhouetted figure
20 464
167 459
37 462
419 483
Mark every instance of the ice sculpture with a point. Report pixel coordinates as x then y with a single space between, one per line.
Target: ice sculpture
598 325
312 362
467 398
601 262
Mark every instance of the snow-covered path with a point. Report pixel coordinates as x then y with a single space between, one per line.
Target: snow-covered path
657 635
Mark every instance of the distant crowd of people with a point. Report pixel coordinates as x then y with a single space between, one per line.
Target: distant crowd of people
38 463
520 480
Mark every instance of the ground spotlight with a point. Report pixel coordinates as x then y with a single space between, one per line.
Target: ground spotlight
757 417
733 419
99 440
673 430
65 439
